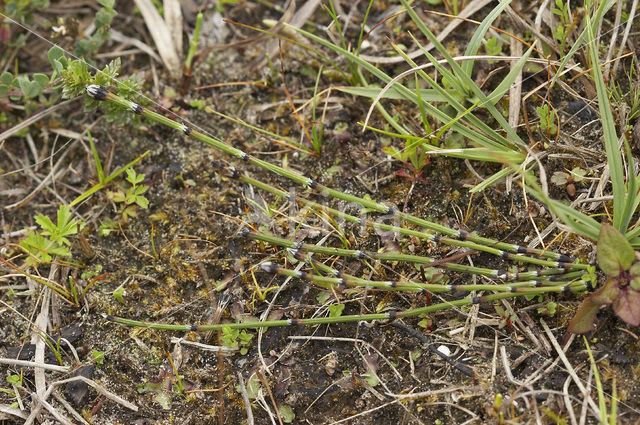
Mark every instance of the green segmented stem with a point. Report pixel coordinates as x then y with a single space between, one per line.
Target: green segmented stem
318 320
531 287
395 256
408 232
100 93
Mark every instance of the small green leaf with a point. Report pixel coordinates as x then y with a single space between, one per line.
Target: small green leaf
6 78
14 380
98 356
615 253
335 310
286 412
118 294
323 296
41 79
29 88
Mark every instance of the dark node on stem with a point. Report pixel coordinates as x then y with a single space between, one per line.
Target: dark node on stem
538 283
136 108
298 245
245 156
245 232
554 278
312 184
521 249
391 211
462 235
562 265
360 254
505 255
193 328
513 289
392 315
392 283
501 274
293 322
342 283
109 317
566 289
476 300
97 92
565 259
269 267
436 238
453 288
186 130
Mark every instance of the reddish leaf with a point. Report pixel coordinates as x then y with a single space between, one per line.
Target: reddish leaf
627 306
582 322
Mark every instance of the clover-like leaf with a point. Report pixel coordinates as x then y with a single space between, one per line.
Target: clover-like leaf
615 253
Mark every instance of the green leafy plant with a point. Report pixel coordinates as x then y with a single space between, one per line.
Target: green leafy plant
549 309
562 178
52 240
561 32
98 356
132 197
22 10
235 339
102 22
547 120
335 310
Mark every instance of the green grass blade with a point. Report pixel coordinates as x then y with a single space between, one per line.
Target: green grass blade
96 159
478 36
505 84
614 156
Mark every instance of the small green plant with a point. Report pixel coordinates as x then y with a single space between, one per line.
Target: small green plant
505 318
602 399
547 120
562 29
131 198
22 10
335 310
118 294
52 240
317 127
494 47
549 309
98 356
234 339
562 178
412 155
104 16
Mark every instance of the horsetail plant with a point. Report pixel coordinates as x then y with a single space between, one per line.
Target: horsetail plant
564 273
560 272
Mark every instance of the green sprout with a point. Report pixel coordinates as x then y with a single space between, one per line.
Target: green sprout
235 339
52 239
131 198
